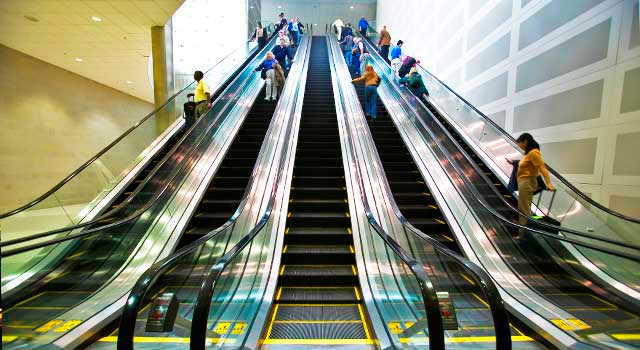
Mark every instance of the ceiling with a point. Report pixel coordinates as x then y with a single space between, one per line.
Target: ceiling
114 51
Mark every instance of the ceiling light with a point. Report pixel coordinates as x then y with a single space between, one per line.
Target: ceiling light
351 7
250 7
96 19
78 59
31 18
315 24
279 6
129 82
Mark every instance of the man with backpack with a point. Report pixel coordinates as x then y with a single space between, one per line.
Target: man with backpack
415 84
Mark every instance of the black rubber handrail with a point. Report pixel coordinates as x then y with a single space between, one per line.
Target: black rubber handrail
134 215
551 227
148 178
91 160
559 177
496 305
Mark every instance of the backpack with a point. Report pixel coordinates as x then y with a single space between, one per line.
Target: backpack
415 81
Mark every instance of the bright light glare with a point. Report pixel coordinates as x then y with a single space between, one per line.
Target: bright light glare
78 59
96 19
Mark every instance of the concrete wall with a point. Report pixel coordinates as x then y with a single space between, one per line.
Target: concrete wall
319 12
566 71
52 121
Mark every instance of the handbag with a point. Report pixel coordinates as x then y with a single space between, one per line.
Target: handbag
263 74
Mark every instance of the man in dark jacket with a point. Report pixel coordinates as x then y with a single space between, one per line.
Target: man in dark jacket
281 53
409 62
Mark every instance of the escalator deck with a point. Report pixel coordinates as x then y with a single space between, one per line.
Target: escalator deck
318 300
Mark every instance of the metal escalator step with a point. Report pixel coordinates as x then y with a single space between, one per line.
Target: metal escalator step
320 219
318 181
318 254
307 331
318 295
318 270
318 249
320 312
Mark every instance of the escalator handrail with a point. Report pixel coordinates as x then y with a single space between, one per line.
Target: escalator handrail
148 177
203 302
486 284
519 213
514 143
91 160
134 215
148 278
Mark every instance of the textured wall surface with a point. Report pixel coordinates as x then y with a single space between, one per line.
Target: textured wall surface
567 71
320 12
52 121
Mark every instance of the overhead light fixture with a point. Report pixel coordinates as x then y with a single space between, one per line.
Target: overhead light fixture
250 7
129 82
96 19
78 59
279 6
351 7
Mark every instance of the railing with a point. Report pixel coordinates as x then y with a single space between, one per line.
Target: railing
358 127
70 201
602 260
572 207
24 263
131 198
278 137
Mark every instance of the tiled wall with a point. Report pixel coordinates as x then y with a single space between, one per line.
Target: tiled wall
52 121
567 71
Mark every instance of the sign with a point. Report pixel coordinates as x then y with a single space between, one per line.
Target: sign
163 313
448 312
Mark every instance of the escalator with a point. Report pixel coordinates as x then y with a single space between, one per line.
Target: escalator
543 263
220 201
92 261
415 201
318 298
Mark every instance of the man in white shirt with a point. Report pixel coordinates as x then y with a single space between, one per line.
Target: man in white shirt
338 24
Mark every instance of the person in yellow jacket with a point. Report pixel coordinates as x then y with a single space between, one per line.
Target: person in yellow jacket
530 167
371 81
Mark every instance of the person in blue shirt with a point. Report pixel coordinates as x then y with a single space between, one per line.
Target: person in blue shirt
347 30
268 65
363 25
396 57
281 53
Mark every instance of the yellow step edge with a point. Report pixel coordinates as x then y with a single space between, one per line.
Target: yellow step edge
176 340
317 321
318 342
479 339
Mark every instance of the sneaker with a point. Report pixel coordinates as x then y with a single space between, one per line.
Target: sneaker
267 99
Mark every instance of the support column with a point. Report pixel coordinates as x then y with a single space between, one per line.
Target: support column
163 84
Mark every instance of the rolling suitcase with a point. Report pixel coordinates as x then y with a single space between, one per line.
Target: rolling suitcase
536 220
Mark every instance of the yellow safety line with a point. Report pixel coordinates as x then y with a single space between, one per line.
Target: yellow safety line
440 221
482 301
41 307
347 215
286 231
282 270
448 238
308 305
273 318
353 268
357 293
364 324
25 301
20 326
318 341
177 340
285 249
468 279
8 338
349 230
626 336
351 249
318 321
478 339
75 255
279 293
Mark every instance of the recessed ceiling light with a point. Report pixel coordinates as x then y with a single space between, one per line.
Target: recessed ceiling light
250 7
78 59
279 6
315 24
351 7
31 18
96 19
129 82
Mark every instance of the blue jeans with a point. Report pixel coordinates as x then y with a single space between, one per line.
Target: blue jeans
348 56
355 60
370 100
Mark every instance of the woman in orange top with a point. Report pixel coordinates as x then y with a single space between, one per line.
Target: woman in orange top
530 167
371 82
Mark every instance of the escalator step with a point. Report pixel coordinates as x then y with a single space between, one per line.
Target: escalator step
305 295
